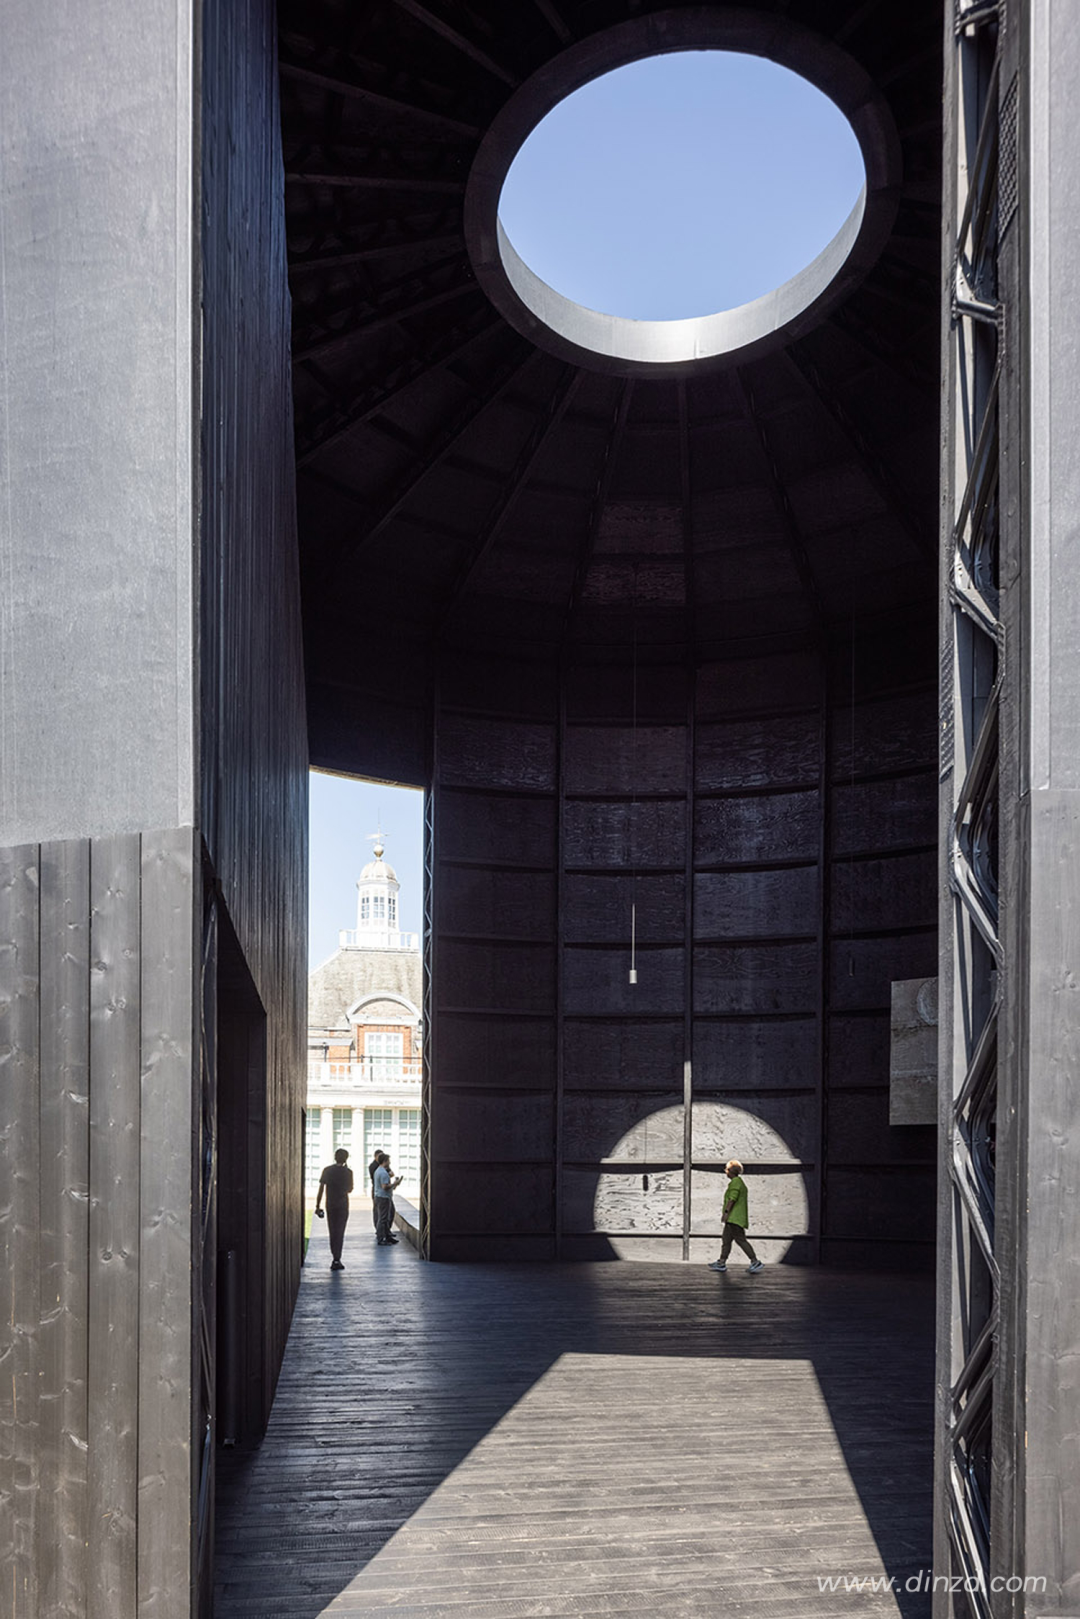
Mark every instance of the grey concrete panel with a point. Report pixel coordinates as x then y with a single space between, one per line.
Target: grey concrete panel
97 682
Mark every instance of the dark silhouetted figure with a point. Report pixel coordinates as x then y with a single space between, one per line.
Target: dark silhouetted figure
337 1182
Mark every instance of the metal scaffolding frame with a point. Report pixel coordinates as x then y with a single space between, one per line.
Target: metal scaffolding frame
980 167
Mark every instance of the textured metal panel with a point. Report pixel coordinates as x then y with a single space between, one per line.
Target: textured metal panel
97 331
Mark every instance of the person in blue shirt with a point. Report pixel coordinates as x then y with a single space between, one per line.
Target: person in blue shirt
736 1220
384 1184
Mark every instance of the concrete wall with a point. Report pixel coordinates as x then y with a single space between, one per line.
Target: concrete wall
97 333
152 786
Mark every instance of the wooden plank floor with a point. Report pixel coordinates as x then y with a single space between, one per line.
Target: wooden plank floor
590 1439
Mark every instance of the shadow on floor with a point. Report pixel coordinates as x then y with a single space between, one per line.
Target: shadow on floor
583 1439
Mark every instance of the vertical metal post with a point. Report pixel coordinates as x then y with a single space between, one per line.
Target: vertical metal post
973 965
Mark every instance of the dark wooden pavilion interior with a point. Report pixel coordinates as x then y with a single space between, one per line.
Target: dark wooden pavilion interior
662 639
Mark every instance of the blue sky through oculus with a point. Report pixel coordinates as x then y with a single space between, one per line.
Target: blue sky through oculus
682 185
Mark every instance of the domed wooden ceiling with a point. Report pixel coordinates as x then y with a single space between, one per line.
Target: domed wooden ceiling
455 482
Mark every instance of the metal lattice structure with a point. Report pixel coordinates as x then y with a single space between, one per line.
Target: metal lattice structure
973 645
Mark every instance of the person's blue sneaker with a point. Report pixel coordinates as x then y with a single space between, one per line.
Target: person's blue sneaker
716 1265
756 1266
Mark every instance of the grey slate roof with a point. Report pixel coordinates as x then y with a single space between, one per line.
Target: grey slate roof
345 976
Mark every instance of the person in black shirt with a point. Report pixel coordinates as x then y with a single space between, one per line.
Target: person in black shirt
337 1182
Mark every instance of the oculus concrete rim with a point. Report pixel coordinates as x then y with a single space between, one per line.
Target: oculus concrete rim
615 344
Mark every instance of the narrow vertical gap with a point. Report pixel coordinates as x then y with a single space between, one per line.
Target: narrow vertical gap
689 619
560 956
824 961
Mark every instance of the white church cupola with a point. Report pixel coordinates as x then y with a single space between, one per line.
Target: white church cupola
377 905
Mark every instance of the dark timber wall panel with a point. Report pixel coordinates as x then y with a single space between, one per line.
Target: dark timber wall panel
254 742
776 840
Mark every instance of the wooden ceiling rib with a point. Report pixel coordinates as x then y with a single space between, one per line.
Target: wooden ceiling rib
386 303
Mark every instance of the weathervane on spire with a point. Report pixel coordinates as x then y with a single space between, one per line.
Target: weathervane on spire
377 839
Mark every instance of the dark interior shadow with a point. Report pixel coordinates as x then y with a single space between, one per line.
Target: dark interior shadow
397 1369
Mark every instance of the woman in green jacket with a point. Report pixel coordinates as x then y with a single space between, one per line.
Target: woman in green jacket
736 1220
